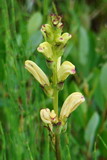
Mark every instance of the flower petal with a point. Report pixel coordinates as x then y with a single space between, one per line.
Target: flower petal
39 75
71 103
65 70
46 49
45 115
64 38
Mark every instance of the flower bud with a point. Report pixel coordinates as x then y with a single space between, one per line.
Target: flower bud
45 115
55 19
45 49
71 103
47 32
60 25
39 75
63 38
65 70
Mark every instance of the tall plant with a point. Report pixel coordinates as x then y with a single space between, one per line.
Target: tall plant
53 49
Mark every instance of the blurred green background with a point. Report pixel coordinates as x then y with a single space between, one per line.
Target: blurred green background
22 134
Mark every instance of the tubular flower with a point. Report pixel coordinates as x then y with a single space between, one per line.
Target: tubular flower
64 38
71 103
45 115
45 49
47 32
39 75
48 116
65 70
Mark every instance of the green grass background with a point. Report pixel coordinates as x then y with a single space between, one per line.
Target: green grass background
22 134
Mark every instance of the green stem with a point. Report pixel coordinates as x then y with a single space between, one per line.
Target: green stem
57 147
55 106
55 94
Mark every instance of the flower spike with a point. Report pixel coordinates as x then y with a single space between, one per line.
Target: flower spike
71 103
39 75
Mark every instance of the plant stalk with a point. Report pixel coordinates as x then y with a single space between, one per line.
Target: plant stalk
57 147
55 94
55 106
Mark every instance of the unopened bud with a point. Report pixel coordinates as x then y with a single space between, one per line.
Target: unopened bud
47 32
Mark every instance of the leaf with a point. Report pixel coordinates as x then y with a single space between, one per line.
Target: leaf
83 46
91 130
103 80
34 22
32 43
99 98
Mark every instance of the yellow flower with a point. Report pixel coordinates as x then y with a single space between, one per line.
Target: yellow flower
65 70
45 49
47 32
45 115
48 116
39 75
71 103
64 38
56 19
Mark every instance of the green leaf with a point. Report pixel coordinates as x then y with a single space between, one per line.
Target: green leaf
103 143
32 43
99 98
34 22
83 46
103 80
91 130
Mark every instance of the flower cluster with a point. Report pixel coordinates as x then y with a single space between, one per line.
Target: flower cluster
52 49
71 103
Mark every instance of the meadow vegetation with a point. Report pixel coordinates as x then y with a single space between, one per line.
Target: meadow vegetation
22 133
